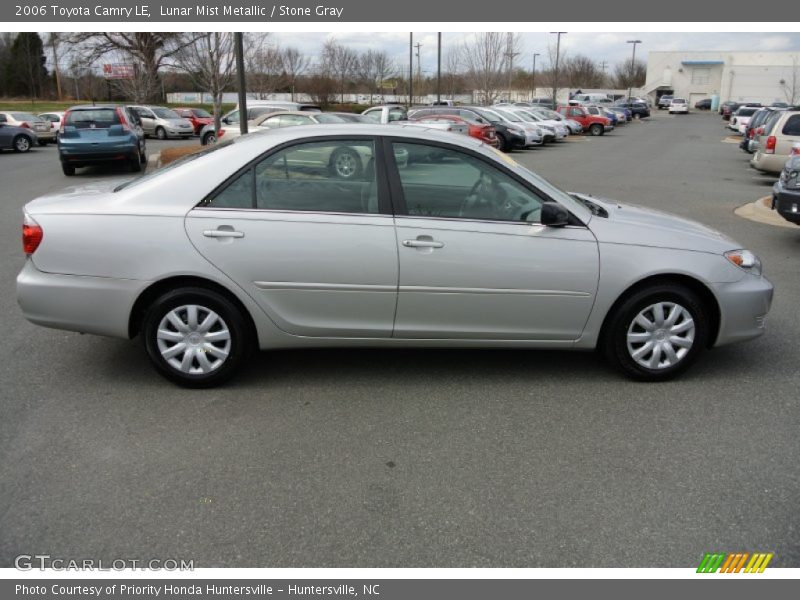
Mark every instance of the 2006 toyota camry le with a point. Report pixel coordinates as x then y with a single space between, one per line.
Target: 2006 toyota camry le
361 235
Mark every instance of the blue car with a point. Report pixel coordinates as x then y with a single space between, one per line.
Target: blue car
623 114
101 134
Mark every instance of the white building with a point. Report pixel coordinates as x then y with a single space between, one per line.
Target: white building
764 77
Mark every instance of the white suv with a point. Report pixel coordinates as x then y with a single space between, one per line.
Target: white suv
678 106
775 145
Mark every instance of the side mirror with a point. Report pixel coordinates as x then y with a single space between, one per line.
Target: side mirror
554 215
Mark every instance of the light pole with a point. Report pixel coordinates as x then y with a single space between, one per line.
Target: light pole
555 72
633 66
533 77
439 69
410 69
242 82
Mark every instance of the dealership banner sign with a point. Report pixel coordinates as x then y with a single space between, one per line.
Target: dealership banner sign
468 11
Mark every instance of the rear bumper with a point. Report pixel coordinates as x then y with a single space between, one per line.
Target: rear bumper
100 156
743 308
99 305
771 163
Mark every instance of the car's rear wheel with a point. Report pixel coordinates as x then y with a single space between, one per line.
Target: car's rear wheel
195 337
657 332
21 143
43 143
346 164
209 138
136 164
68 170
596 129
161 133
502 144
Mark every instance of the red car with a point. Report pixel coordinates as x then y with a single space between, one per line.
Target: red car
592 124
199 117
480 131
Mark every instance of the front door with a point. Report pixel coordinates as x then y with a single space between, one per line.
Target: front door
475 262
311 241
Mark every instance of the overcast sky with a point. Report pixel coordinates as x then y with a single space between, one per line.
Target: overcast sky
609 47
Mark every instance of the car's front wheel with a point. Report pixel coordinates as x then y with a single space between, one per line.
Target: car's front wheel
161 133
657 332
596 129
346 164
195 337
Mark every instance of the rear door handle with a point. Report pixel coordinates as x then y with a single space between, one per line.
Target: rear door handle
223 233
422 244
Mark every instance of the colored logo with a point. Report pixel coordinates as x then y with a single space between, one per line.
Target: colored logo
735 562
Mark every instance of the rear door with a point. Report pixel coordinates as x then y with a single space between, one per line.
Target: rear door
789 135
316 249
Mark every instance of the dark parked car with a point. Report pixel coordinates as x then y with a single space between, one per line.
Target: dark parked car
751 131
639 110
101 134
726 109
508 137
704 104
786 191
15 138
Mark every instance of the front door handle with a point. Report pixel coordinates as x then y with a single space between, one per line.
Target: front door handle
223 233
423 243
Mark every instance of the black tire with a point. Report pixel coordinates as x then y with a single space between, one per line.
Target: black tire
136 164
346 164
596 129
209 138
43 143
502 144
238 345
614 341
68 170
21 143
161 133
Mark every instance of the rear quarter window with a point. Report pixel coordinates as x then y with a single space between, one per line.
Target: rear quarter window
792 126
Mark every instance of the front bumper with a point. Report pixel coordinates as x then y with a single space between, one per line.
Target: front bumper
786 202
99 305
744 305
175 132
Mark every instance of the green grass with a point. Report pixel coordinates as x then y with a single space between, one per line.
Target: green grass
48 106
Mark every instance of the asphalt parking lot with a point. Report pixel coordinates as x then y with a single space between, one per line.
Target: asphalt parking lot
417 458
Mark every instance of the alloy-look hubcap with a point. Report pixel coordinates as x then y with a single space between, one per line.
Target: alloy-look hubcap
661 335
193 339
345 165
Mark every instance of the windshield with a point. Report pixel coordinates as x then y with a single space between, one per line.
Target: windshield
199 112
22 116
165 113
746 112
325 118
92 117
508 116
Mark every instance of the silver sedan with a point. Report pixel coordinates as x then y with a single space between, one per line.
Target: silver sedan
248 245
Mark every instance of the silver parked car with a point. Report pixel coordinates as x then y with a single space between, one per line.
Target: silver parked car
163 122
248 244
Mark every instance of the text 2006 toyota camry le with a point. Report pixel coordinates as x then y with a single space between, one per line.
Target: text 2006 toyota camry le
355 235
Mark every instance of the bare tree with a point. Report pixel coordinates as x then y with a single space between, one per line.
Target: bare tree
384 68
452 68
630 75
791 84
210 62
294 65
147 51
365 72
341 60
264 65
483 59
582 72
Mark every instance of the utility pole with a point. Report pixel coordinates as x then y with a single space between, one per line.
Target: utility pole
239 49
419 66
439 69
510 54
54 44
555 71
533 77
633 66
410 69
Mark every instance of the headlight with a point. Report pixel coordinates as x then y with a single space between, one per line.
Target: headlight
793 180
744 259
515 131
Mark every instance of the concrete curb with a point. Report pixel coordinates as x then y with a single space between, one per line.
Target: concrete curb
154 161
760 212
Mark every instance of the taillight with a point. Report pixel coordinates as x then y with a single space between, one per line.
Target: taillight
220 133
769 147
32 234
63 122
796 150
122 120
25 125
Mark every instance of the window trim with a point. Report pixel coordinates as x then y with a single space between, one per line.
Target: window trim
384 202
398 196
